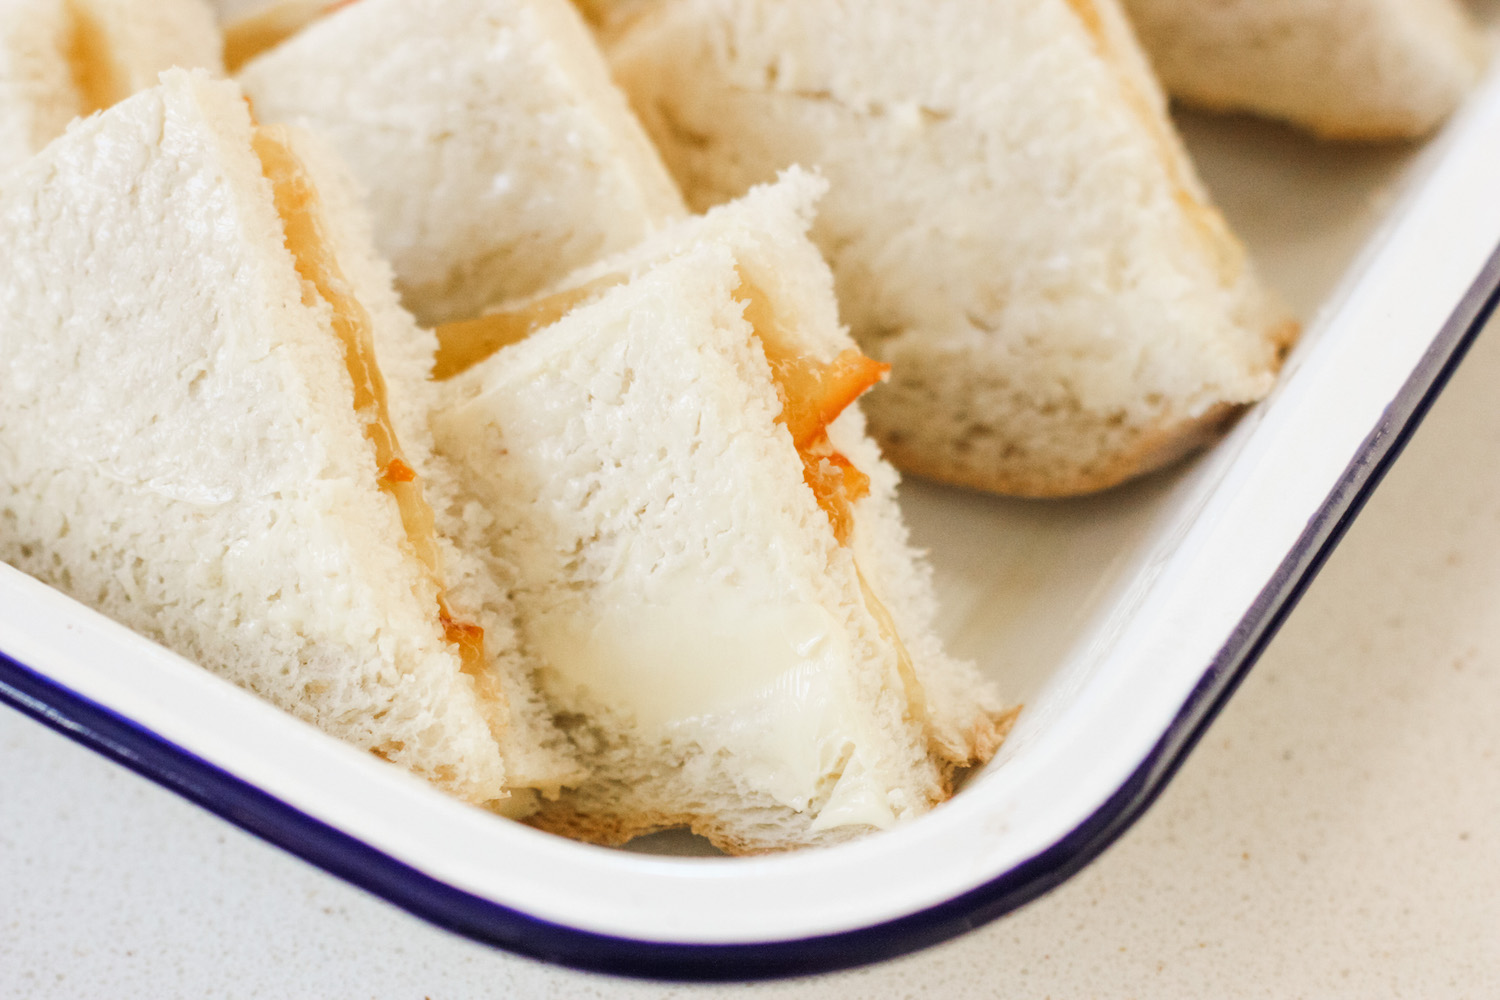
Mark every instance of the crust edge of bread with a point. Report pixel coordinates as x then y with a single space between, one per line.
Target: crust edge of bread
605 829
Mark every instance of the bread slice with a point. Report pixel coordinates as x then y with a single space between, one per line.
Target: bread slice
1344 69
734 647
497 153
61 59
538 757
196 437
1012 222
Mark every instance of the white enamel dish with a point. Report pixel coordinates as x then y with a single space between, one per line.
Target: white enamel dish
1123 622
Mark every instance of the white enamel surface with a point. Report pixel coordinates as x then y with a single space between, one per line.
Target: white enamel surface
1101 614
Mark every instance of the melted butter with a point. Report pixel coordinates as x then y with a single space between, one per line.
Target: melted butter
813 394
646 655
747 669
855 801
309 241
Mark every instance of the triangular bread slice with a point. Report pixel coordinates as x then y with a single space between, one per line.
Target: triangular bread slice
715 581
1345 69
1012 222
538 757
196 437
62 59
497 153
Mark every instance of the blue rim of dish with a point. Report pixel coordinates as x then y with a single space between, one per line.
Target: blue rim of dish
338 853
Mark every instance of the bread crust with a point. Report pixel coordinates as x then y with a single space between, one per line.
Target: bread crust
570 817
1154 449
1366 70
1021 237
222 496
1328 125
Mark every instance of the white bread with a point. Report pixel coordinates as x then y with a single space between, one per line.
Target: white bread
179 444
61 59
497 153
1345 69
537 755
1012 222
722 659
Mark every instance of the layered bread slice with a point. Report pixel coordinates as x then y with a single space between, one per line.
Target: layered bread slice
197 438
711 571
1011 220
497 153
476 610
62 59
1345 69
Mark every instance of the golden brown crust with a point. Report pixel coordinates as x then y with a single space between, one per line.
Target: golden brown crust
1035 478
987 736
565 818
1329 128
613 830
604 829
1153 450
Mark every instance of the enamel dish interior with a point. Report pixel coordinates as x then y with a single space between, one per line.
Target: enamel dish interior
1103 615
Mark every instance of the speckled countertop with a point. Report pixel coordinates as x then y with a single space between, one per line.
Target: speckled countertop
1337 834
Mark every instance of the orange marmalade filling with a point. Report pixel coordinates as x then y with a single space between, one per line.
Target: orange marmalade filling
463 345
308 240
270 26
813 393
98 77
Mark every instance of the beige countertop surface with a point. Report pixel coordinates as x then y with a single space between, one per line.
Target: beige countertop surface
1336 834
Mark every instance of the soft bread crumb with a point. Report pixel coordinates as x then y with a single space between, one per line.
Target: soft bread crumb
639 437
497 153
1019 234
201 474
